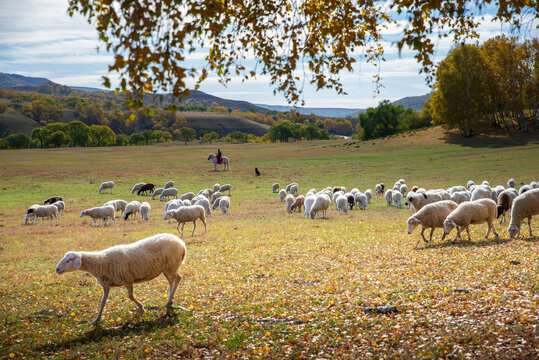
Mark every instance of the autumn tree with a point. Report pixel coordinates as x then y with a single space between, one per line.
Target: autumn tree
187 134
102 135
79 133
210 137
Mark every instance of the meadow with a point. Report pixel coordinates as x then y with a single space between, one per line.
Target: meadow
262 283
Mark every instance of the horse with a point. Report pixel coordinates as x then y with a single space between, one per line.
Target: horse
224 159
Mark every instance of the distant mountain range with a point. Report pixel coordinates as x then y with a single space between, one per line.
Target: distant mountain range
327 112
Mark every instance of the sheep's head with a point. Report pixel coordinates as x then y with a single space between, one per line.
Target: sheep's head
70 262
412 224
513 231
409 199
448 226
168 215
83 213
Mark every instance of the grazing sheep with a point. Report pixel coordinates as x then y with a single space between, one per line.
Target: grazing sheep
504 203
471 213
38 211
453 189
511 183
397 199
146 189
275 187
336 189
145 211
187 214
226 187
368 194
321 204
132 209
431 216
106 185
169 184
389 197
481 192
157 192
523 189
362 201
216 203
204 202
378 189
460 196
294 189
307 204
443 193
401 181
524 206
125 265
60 205
534 185
289 200
224 204
282 195
351 199
396 186
174 204
168 193
403 189
52 200
289 186
118 205
216 187
335 196
414 188
417 200
100 213
342 203
354 191
206 193
469 184
298 203
497 191
136 187
215 196
187 196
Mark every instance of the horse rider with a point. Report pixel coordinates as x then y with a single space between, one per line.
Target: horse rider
219 155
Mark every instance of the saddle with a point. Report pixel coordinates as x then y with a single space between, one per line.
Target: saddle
220 161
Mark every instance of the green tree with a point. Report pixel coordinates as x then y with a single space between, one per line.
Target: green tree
3 107
210 137
59 138
380 121
281 131
137 139
102 135
159 136
187 134
17 141
79 133
122 140
238 136
38 135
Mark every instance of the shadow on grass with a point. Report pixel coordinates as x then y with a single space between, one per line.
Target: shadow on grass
466 243
98 334
482 141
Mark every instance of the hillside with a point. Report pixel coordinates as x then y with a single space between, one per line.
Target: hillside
222 124
324 112
12 80
16 122
414 102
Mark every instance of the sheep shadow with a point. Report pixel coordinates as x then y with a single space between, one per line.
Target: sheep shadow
466 243
97 334
484 141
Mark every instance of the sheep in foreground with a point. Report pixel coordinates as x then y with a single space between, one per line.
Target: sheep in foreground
136 187
511 183
61 206
397 199
471 213
321 204
118 205
418 200
38 211
460 196
389 197
342 203
224 204
307 204
145 211
282 195
368 194
298 203
52 200
431 216
100 213
132 209
157 192
125 265
146 189
504 203
170 192
524 206
106 185
289 200
187 214
169 184
187 196
275 187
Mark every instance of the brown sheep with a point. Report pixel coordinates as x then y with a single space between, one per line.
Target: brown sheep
52 200
298 203
146 188
414 189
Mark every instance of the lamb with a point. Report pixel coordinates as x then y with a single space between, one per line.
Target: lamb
52 200
368 194
504 203
523 189
118 205
511 183
60 205
298 203
136 187
282 194
157 192
275 187
397 199
38 211
389 197
168 193
146 189
471 212
294 189
403 189
226 187
289 200
481 192
145 211
187 214
216 187
524 206
431 216
169 184
125 265
187 196
418 200
307 204
100 213
224 204
362 200
321 204
378 189
205 203
460 196
215 196
289 186
106 185
132 209
341 203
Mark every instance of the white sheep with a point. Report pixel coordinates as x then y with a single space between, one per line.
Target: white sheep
453 189
275 187
471 213
362 200
307 204
523 189
469 184
416 200
204 202
397 199
403 189
401 181
174 204
289 186
431 216
136 187
118 205
389 197
61 206
282 195
342 203
41 211
378 189
444 194
125 265
187 214
187 196
397 186
226 187
224 204
321 204
216 187
460 196
524 206
145 210
132 209
157 192
497 191
485 183
294 189
534 185
215 196
511 183
169 184
368 194
354 191
106 185
481 192
168 193
100 213
289 200
205 192
336 194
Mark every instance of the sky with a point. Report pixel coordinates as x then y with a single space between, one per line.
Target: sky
38 38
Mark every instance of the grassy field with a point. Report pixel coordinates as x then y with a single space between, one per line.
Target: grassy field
262 282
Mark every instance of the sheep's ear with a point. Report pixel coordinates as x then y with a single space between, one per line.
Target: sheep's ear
77 262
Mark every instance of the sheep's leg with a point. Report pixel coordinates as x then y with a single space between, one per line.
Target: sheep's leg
491 226
113 220
530 225
204 222
181 233
488 230
422 234
102 306
93 222
130 294
431 232
468 232
174 281
194 227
